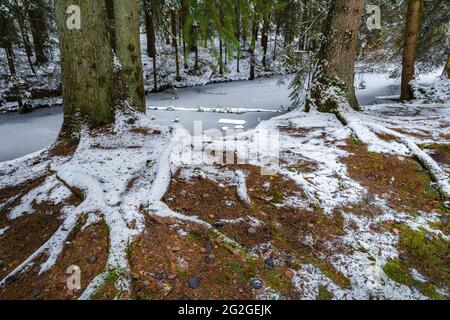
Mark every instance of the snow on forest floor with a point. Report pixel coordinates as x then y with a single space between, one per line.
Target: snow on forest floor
145 212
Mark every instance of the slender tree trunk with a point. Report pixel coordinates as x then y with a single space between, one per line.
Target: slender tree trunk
151 44
220 55
155 74
39 29
252 49
151 35
128 50
226 54
238 37
195 47
409 48
338 53
265 40
277 33
173 18
86 68
27 45
184 15
12 70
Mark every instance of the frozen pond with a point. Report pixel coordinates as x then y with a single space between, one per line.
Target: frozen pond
21 134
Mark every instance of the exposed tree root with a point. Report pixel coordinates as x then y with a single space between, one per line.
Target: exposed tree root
365 132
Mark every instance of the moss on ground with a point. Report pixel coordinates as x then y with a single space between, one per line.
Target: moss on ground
324 294
428 254
398 272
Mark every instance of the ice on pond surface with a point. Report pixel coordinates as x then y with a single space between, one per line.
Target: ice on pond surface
245 103
232 121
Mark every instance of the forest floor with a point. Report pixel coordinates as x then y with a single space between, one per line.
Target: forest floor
356 211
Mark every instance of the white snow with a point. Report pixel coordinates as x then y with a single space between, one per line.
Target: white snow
232 121
3 231
103 166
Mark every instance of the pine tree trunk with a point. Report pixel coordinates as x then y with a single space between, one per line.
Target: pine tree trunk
86 68
277 33
338 52
12 69
155 75
195 48
265 41
238 37
39 30
151 36
409 48
27 45
220 56
184 15
128 50
151 43
252 49
173 18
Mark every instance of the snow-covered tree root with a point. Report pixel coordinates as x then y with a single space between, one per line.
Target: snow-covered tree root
365 132
52 248
150 194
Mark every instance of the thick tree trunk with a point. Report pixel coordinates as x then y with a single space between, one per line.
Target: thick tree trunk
173 18
409 48
86 67
128 50
338 53
39 29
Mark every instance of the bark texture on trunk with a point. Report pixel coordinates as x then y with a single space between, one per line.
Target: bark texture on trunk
128 50
409 48
338 52
86 67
